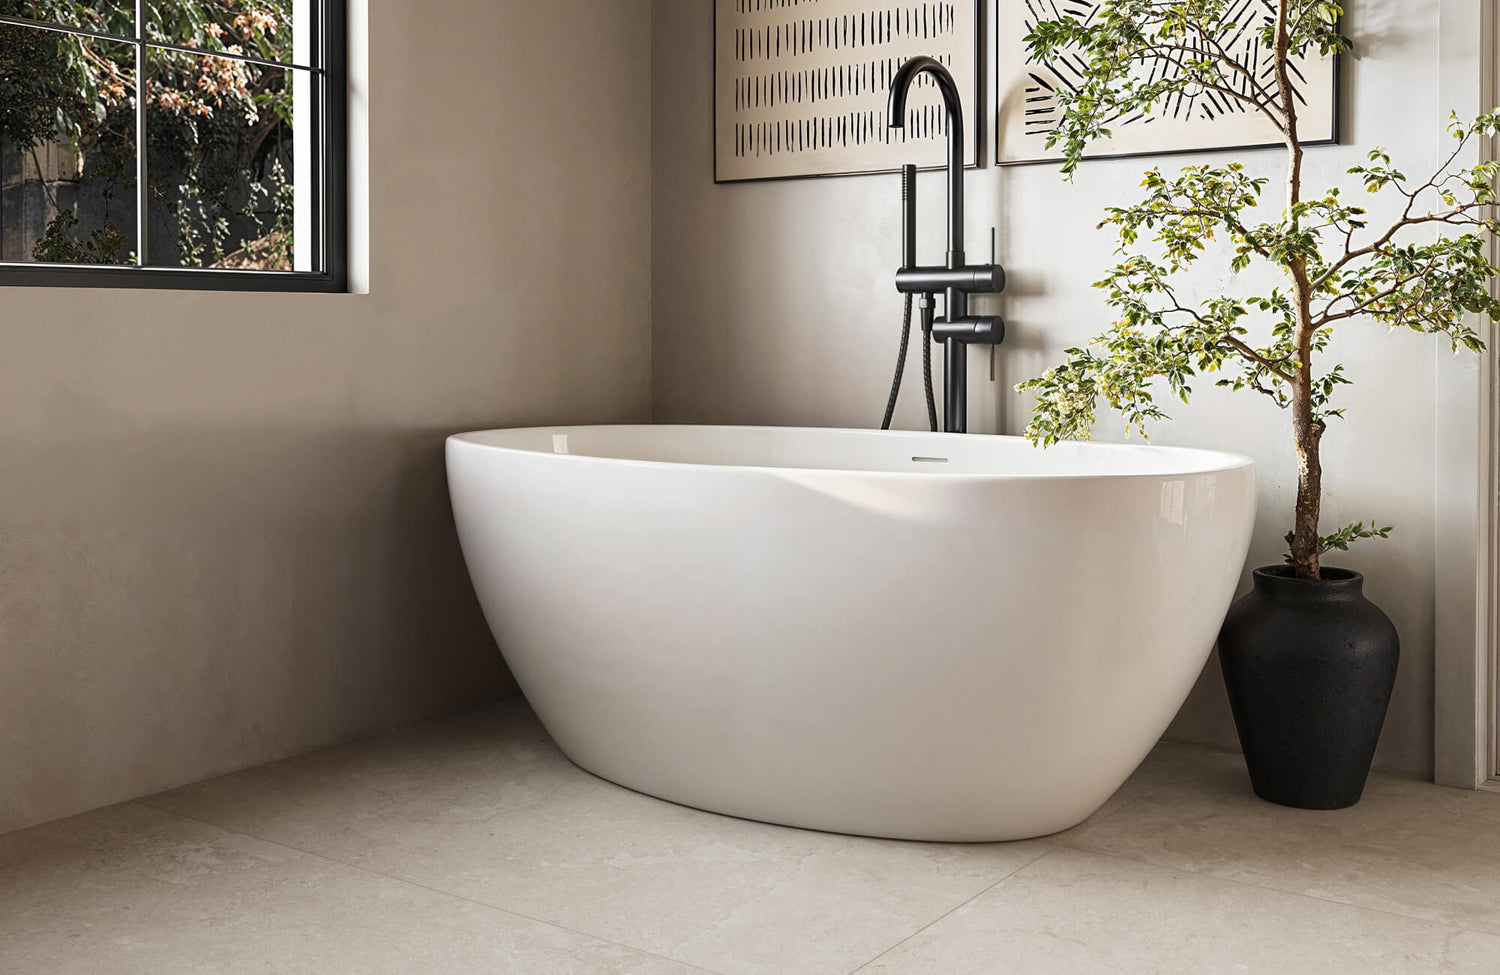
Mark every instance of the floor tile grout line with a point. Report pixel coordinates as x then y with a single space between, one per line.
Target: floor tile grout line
957 907
1123 858
1050 842
1145 793
421 886
1092 821
1059 840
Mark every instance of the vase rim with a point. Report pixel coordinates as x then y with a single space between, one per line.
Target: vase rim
1333 578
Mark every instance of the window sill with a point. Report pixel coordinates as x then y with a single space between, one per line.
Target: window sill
71 276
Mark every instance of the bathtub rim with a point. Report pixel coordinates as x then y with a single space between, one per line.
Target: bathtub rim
1229 462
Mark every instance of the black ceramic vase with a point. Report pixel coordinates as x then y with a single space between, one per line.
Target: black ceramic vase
1309 666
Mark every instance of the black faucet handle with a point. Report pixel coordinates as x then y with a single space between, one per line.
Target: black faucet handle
971 330
974 279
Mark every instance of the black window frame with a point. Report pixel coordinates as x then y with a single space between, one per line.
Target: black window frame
330 169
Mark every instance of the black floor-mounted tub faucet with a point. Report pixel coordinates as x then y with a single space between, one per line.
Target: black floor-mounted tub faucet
958 330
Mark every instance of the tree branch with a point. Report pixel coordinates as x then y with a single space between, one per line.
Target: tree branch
1150 53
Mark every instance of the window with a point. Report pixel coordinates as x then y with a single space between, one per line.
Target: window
173 144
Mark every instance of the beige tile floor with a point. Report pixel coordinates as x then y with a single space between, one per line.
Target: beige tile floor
472 845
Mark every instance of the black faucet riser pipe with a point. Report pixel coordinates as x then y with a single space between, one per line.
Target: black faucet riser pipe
955 386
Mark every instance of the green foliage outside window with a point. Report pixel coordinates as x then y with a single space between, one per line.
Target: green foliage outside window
219 130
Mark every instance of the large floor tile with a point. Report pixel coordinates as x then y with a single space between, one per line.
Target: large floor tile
134 890
1075 913
1168 764
1408 847
490 810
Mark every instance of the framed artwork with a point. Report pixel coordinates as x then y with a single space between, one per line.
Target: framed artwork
1026 102
800 86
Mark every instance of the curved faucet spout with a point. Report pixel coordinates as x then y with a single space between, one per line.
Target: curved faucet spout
896 119
901 87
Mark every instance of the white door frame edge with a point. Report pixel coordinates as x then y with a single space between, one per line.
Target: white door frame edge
1466 458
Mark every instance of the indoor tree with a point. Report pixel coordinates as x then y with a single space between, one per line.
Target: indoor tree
1428 269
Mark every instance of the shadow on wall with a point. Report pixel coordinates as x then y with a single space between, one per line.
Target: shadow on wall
175 604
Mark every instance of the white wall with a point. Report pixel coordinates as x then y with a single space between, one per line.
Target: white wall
774 304
224 525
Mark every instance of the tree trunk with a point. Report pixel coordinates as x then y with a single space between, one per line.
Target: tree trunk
1307 432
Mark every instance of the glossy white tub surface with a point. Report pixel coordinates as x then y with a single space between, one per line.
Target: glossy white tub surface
912 635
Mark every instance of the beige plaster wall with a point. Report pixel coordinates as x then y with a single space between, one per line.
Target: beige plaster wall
224 529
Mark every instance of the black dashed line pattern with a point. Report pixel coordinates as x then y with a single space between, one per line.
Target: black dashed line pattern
767 76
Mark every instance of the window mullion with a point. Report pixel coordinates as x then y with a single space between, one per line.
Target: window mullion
306 124
143 193
160 44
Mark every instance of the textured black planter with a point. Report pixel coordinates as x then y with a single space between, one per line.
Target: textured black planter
1309 667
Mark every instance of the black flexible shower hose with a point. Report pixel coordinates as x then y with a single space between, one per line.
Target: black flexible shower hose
927 371
890 404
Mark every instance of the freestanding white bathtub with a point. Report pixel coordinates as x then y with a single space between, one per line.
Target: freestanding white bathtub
922 636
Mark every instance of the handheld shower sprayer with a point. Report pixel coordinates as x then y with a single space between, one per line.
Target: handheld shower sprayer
908 259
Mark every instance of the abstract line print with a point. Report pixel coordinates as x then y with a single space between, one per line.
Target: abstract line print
801 85
1027 96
